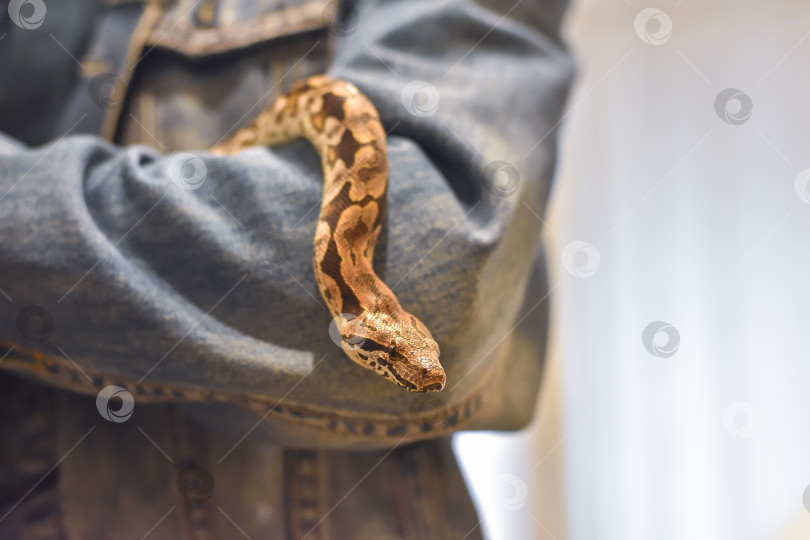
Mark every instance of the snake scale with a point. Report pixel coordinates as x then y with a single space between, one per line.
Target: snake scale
344 127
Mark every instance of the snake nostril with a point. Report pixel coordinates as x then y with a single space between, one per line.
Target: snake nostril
435 387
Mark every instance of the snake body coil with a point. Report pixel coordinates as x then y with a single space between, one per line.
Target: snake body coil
344 127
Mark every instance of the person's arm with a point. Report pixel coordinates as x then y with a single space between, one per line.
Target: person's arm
195 270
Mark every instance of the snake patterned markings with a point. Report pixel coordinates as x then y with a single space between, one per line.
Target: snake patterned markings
344 127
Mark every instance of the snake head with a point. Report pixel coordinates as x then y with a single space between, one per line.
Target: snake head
401 350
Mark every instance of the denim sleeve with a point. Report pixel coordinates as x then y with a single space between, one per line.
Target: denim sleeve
195 270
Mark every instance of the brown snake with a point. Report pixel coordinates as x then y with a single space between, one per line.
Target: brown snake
344 127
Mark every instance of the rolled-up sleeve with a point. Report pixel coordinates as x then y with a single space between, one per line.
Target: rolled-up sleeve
193 270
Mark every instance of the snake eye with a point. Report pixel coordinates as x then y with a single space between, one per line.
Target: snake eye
351 340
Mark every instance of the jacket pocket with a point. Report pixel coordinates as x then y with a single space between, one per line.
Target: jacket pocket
208 68
200 28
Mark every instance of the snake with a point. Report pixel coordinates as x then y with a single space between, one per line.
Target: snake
345 129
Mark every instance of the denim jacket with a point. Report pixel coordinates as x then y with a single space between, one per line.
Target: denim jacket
184 279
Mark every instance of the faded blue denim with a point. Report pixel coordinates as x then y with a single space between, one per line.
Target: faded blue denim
132 266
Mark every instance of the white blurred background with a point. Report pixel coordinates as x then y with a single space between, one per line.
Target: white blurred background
690 208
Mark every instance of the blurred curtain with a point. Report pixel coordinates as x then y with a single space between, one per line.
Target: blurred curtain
680 261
